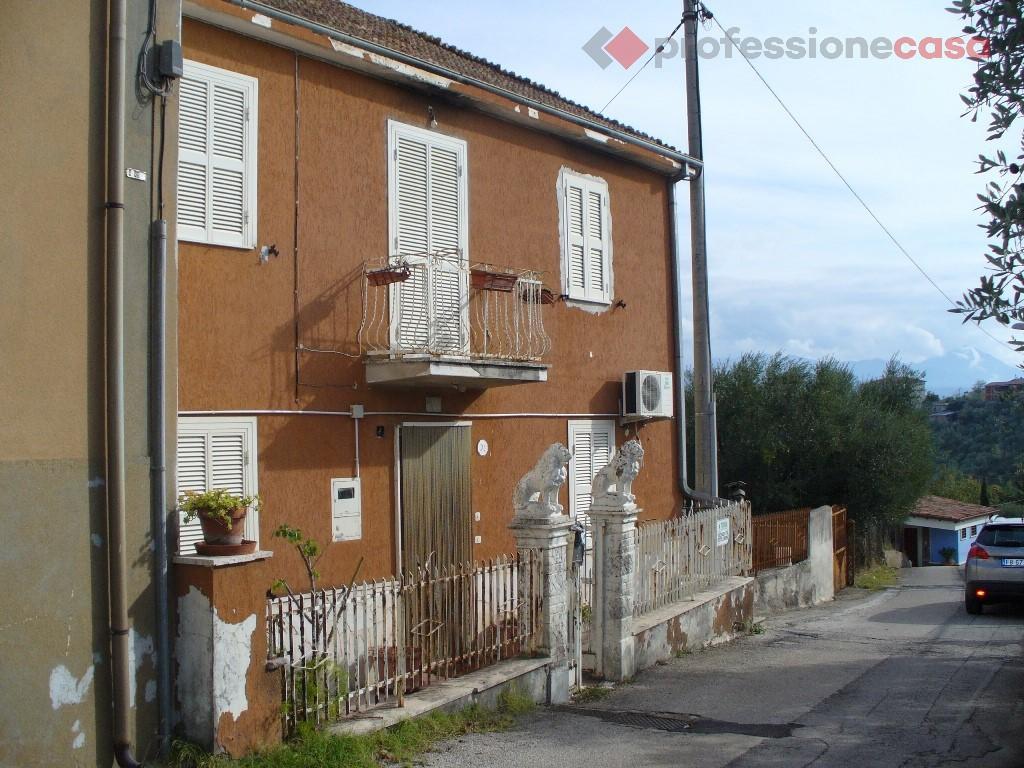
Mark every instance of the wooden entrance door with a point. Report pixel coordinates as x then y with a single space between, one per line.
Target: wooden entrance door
436 496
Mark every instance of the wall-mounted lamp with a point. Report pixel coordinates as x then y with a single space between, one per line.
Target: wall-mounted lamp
267 251
380 430
432 116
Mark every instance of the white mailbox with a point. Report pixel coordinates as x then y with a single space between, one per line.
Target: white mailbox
346 509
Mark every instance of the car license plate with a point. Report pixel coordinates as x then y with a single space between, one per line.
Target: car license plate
1013 562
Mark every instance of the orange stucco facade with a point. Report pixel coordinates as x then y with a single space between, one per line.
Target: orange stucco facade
323 201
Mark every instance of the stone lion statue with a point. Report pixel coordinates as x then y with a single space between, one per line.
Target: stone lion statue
621 471
541 483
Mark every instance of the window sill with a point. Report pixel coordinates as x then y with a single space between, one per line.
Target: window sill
588 305
219 561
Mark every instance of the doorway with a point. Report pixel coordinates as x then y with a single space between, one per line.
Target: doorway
436 506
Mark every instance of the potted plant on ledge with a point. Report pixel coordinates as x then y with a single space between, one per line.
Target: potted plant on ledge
222 516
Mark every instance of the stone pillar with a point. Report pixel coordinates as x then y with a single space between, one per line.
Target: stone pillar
548 536
614 526
821 553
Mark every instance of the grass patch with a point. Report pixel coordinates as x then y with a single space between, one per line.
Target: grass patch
876 577
400 744
591 693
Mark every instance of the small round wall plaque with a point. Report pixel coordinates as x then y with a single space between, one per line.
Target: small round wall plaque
482 448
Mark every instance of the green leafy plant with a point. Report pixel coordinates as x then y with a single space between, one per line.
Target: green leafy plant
217 503
309 550
997 94
948 554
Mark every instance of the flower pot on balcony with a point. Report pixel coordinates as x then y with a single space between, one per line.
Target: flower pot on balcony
217 530
397 273
488 280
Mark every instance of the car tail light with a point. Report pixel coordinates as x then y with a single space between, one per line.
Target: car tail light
977 551
980 592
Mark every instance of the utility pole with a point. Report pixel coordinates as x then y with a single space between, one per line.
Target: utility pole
705 427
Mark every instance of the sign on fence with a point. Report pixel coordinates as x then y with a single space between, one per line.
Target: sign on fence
722 532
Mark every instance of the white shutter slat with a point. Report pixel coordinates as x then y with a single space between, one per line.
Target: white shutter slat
192 194
228 195
445 225
411 178
191 476
192 114
412 196
576 240
228 122
595 245
227 462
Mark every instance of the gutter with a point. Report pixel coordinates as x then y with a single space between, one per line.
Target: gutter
682 159
114 343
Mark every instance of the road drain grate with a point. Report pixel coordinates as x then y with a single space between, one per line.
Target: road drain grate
677 723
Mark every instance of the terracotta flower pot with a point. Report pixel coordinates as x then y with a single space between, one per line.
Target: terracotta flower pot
215 531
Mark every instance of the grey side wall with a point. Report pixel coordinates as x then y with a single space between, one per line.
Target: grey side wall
54 640
802 584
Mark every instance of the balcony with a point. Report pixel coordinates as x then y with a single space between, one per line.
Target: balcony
432 319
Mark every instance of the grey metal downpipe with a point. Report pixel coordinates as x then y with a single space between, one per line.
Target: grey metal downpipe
158 473
114 342
677 378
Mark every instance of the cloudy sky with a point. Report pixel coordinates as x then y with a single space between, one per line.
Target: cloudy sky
795 263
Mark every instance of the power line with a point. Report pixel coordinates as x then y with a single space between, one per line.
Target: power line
650 58
843 178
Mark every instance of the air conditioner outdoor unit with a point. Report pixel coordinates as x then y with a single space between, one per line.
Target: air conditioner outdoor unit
646 395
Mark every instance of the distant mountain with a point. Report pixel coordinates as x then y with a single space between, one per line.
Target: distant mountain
956 371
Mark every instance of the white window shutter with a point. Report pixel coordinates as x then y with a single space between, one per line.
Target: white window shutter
217 157
216 453
592 444
586 258
427 204
411 201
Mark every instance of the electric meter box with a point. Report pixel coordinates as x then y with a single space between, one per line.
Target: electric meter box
346 509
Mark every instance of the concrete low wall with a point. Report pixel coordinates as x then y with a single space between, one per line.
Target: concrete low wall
802 584
715 616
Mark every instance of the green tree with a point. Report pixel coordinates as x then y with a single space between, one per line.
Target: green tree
802 434
998 93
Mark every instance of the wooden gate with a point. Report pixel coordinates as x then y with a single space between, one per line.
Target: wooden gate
842 541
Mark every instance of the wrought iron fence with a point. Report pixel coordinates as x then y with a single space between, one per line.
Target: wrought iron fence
344 652
780 539
679 557
437 304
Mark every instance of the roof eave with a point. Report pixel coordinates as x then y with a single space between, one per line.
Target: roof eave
319 41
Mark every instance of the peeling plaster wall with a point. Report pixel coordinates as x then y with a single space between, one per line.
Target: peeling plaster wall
213 660
54 629
711 620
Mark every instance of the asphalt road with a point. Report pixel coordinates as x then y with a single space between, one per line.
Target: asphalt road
903 677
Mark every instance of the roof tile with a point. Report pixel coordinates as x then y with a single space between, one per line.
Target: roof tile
402 38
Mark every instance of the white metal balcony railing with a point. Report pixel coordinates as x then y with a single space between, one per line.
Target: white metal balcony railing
435 304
